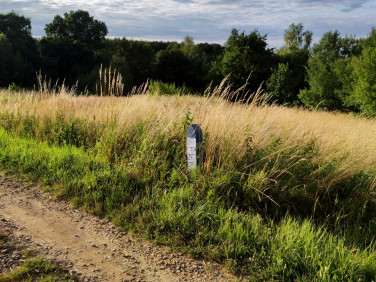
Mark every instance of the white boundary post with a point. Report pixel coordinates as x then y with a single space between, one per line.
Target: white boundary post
194 150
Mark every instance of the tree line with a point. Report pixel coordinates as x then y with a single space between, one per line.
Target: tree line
336 73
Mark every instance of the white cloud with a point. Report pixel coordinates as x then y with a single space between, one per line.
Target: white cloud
206 20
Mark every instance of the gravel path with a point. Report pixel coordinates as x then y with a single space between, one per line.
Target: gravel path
89 247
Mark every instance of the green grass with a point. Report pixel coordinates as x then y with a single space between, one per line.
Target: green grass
34 268
37 269
263 220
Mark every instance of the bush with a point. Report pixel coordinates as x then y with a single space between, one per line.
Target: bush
14 87
159 87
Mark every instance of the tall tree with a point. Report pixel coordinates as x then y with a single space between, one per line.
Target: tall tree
17 30
70 46
12 66
364 94
77 26
139 56
289 77
280 85
245 55
172 65
325 85
188 46
296 38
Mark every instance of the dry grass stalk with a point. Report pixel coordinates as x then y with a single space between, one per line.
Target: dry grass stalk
110 82
47 88
142 89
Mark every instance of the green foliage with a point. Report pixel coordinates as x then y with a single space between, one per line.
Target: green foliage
288 78
122 66
14 88
139 57
77 26
8 66
343 69
329 74
18 52
174 65
158 87
67 59
296 38
188 46
323 82
18 31
279 84
246 55
365 75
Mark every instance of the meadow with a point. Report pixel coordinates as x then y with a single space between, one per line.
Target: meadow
283 194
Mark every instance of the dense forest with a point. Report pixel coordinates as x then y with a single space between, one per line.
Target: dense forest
337 73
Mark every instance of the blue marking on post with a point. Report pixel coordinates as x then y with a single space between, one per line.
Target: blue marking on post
194 150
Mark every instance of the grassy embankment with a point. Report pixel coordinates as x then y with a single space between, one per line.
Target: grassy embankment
283 193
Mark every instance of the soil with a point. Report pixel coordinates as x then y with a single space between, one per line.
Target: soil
90 248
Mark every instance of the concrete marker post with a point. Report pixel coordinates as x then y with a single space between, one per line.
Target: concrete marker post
194 151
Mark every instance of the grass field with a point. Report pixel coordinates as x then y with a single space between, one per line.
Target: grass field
283 193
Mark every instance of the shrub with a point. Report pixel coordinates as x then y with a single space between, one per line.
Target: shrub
158 87
14 87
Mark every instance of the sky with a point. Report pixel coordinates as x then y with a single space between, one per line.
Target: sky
206 20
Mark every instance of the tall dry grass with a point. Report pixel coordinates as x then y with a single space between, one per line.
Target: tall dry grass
110 82
230 126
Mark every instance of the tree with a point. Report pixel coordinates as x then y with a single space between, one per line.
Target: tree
172 65
77 26
211 57
343 69
296 38
328 90
70 46
66 60
323 82
139 56
364 94
245 55
279 85
288 78
11 65
188 46
332 46
17 30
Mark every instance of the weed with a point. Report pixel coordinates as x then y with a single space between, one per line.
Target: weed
11 243
2 235
30 253
37 269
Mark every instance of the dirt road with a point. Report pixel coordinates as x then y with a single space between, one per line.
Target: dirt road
90 247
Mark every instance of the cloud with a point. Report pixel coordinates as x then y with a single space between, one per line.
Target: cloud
185 1
346 6
205 20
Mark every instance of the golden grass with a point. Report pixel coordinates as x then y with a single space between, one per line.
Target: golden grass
230 126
